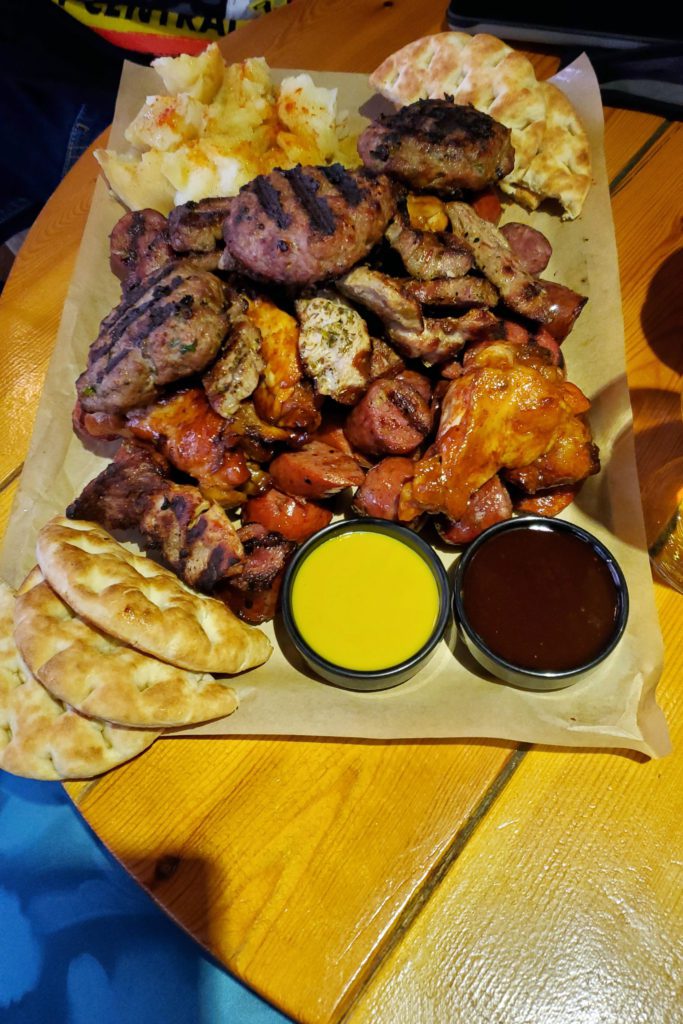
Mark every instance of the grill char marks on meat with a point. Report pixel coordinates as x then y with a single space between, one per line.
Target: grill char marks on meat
170 326
254 590
393 417
139 245
194 535
198 226
306 224
439 145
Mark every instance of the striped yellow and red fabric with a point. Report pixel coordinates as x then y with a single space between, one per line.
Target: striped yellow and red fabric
166 29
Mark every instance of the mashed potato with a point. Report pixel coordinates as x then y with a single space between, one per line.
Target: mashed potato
217 127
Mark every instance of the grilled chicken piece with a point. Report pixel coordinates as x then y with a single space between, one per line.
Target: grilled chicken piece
167 328
257 438
198 226
379 493
438 144
139 245
317 471
467 292
546 503
194 535
488 505
236 373
503 413
306 224
283 398
295 518
426 254
197 441
545 301
335 347
393 417
573 457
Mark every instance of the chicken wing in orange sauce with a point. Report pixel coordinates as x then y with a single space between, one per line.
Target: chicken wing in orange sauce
508 409
283 396
196 440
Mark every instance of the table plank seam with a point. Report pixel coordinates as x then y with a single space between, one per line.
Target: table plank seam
630 165
11 477
437 874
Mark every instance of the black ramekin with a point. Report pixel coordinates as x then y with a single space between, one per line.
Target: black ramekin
521 676
393 675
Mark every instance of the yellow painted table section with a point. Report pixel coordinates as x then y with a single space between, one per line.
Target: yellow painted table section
421 882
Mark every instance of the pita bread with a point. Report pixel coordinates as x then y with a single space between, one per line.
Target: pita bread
98 675
42 738
552 152
143 604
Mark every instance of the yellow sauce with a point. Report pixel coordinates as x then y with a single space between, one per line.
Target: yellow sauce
365 601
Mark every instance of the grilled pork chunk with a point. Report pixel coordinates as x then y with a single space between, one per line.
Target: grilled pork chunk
235 374
306 224
167 328
549 303
440 145
426 254
416 337
194 535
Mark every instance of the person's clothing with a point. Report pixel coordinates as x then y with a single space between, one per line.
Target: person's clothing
166 28
60 65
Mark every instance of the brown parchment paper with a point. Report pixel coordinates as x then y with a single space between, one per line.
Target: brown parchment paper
615 706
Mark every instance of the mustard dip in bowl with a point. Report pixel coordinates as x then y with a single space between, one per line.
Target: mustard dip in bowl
365 602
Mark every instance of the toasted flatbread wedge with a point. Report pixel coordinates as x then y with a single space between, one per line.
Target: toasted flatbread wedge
143 604
552 152
98 675
43 738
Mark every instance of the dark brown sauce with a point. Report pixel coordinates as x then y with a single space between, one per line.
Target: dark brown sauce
541 599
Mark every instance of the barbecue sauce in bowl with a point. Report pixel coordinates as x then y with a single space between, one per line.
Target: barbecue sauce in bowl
540 601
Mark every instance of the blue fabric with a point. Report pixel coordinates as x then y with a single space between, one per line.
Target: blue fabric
80 941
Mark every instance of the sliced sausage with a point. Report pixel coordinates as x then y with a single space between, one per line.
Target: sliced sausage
295 518
316 471
490 504
379 493
393 417
531 247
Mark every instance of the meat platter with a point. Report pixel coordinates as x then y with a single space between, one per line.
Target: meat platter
449 698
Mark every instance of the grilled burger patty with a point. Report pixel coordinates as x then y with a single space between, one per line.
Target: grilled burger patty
167 328
438 144
306 224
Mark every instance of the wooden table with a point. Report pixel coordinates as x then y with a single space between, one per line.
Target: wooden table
412 882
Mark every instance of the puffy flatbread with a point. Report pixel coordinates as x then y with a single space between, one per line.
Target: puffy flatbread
135 600
42 738
552 152
98 675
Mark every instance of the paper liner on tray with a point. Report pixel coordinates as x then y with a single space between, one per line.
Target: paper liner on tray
615 707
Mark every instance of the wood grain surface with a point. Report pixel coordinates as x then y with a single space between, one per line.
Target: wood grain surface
431 883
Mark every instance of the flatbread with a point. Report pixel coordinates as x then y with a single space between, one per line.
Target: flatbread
98 675
42 738
552 152
132 598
